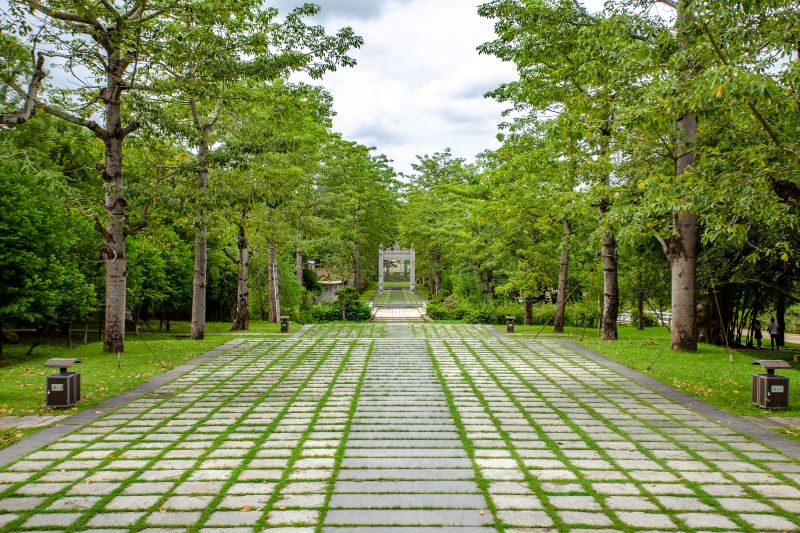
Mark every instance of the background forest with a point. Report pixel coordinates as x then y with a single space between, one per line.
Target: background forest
649 163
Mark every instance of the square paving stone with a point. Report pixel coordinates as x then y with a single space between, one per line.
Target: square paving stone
114 519
584 518
513 501
634 503
180 518
574 502
532 519
682 504
407 517
74 502
93 489
52 519
646 520
148 488
707 520
767 522
199 487
187 503
253 488
303 500
775 491
616 488
132 502
20 504
241 501
743 504
233 518
293 517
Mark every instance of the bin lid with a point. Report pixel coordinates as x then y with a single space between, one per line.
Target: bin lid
770 364
61 363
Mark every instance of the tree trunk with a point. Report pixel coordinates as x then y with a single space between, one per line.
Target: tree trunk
639 310
780 317
610 281
114 251
298 257
486 277
200 249
610 304
563 273
273 285
682 249
528 319
356 266
241 317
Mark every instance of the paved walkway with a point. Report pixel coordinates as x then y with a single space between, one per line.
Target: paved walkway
8 422
402 428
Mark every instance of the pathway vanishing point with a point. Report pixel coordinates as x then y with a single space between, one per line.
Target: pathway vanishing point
413 427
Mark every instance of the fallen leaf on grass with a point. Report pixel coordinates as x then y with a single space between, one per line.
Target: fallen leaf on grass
282 507
246 509
162 510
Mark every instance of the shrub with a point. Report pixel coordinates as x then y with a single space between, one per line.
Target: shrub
496 312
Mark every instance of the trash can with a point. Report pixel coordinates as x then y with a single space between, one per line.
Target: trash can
771 391
510 324
284 324
63 388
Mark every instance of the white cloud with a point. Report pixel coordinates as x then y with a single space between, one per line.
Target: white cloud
419 83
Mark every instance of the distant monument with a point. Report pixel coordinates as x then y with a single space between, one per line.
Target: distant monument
395 253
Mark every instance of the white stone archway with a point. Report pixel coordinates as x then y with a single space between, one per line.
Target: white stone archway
395 253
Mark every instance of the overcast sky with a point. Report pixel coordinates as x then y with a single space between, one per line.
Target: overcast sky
419 83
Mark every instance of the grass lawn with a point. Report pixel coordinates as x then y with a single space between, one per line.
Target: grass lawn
713 374
146 355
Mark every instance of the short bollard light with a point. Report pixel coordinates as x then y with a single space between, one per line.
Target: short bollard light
510 324
284 324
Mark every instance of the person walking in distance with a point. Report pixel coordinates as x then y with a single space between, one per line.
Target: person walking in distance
772 327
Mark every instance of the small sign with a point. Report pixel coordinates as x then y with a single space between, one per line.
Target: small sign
776 388
59 387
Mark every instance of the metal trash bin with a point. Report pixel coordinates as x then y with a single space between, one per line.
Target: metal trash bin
63 388
771 391
284 324
510 323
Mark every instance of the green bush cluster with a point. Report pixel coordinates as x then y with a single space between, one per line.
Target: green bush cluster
496 312
346 307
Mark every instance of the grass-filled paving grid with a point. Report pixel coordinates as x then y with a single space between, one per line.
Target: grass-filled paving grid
397 297
408 427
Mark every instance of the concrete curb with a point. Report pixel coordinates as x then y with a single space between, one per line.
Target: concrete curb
74 422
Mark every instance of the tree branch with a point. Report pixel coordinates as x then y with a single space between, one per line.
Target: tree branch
228 254
29 103
663 243
65 16
195 115
766 126
60 113
136 228
101 229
